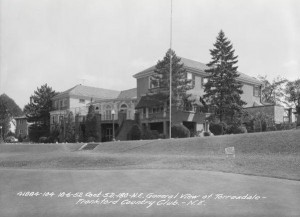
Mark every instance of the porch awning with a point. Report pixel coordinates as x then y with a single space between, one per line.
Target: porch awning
152 100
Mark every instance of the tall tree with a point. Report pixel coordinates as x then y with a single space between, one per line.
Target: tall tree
222 90
92 126
38 111
8 110
292 91
273 92
180 83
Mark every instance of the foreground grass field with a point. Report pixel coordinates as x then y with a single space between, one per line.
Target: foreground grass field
278 197
273 154
192 166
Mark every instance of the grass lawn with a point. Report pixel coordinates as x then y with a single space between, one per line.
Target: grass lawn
193 166
273 154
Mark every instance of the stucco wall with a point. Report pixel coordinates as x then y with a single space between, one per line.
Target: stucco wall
198 90
248 96
74 103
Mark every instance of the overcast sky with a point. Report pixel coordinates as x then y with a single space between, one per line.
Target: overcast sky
102 43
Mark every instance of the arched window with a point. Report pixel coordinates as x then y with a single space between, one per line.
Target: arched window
123 108
108 112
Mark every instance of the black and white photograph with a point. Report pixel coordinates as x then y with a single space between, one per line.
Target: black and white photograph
139 108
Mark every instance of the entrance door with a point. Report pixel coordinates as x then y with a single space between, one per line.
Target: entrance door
108 134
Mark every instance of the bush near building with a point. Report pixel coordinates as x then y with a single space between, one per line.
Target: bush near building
135 133
180 131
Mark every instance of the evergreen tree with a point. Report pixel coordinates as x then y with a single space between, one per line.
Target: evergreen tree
38 112
91 127
222 89
180 83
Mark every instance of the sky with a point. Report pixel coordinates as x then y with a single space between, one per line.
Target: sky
103 43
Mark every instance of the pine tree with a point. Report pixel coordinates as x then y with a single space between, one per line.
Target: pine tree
38 112
180 83
222 90
91 126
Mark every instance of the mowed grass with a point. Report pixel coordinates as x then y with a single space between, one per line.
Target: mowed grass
273 154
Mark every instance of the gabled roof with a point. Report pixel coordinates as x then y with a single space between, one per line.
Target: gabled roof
90 92
199 68
128 94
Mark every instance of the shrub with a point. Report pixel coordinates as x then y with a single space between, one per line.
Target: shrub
206 133
285 126
180 131
20 138
43 139
26 139
218 128
91 139
239 129
135 133
148 134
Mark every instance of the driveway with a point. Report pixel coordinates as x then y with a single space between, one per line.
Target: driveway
77 193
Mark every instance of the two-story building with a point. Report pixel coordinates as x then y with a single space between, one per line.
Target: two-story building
154 110
117 113
76 100
116 108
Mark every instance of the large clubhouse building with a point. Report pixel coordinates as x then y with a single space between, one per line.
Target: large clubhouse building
153 110
119 109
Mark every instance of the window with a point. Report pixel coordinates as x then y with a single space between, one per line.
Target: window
123 108
191 78
108 112
61 103
150 110
65 102
153 83
256 91
81 101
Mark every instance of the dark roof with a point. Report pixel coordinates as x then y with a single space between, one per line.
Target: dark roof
91 92
200 67
128 94
152 100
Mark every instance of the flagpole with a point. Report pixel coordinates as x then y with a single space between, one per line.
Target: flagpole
170 98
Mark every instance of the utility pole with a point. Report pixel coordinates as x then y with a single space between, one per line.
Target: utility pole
170 102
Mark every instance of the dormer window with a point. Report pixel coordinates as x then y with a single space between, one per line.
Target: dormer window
81 100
